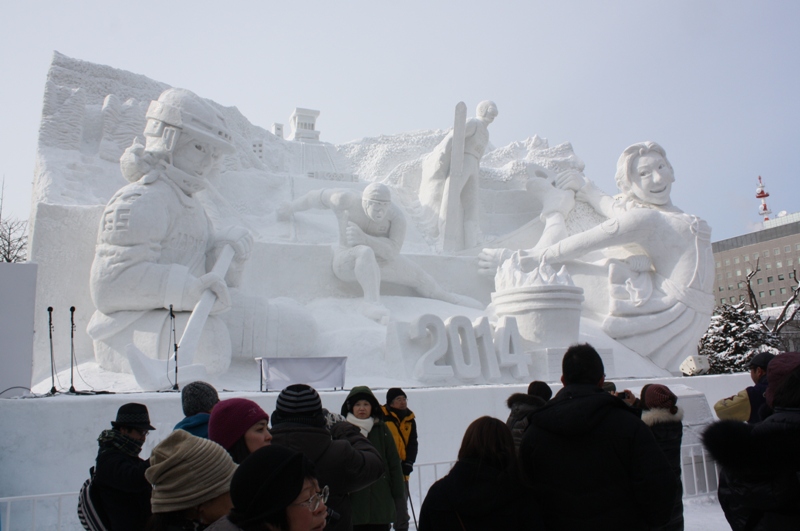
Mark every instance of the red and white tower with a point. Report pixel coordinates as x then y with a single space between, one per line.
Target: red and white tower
761 193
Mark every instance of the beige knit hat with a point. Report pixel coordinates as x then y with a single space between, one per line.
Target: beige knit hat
186 471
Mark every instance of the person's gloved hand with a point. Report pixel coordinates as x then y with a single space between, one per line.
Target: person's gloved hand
407 467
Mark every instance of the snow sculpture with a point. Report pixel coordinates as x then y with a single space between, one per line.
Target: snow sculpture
658 259
450 178
155 246
371 233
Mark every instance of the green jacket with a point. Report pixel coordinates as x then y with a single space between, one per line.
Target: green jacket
376 503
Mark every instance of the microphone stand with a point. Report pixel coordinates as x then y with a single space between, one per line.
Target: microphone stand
72 350
175 346
52 357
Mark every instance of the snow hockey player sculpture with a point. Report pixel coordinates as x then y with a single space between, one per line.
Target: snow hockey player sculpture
156 247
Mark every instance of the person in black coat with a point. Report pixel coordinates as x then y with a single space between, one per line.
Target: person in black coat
119 488
592 462
484 490
664 418
523 404
759 485
345 461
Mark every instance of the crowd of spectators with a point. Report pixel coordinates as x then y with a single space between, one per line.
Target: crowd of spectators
588 457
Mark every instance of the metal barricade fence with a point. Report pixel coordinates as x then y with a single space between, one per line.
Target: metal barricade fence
699 472
58 511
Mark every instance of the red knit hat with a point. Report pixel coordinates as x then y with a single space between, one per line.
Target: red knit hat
231 418
658 396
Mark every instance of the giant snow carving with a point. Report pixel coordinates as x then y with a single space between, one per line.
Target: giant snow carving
195 204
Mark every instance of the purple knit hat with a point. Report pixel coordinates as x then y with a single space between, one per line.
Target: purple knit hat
778 370
231 418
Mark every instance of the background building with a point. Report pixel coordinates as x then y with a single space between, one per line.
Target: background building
774 252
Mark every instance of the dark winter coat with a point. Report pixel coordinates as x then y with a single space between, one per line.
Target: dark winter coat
521 405
344 460
376 504
667 428
482 498
759 487
594 465
121 491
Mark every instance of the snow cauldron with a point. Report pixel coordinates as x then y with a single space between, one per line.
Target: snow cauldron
546 304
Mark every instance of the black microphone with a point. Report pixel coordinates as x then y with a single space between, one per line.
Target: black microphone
50 309
171 313
72 309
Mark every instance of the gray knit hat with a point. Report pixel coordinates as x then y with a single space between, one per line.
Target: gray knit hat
186 471
198 397
299 400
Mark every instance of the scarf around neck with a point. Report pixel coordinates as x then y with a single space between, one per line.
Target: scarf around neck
365 425
112 440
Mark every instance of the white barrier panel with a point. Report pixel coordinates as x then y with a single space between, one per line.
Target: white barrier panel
319 373
17 297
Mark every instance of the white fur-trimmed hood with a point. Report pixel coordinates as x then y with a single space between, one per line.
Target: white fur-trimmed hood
660 416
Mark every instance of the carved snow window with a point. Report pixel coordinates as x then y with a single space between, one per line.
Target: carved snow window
770 279
778 264
771 292
736 260
738 272
776 251
780 277
787 249
760 294
783 291
760 281
727 261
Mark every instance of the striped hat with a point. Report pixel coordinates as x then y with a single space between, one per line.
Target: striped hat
299 400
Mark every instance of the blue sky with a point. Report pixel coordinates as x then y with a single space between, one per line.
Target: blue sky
716 83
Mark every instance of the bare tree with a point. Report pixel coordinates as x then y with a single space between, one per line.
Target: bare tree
13 235
788 312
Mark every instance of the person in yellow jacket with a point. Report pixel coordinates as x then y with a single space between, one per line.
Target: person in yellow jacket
400 421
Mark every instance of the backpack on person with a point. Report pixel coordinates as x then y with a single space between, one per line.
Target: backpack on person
88 512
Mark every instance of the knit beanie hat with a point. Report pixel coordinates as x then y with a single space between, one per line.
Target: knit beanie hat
658 396
778 371
299 400
231 418
267 482
300 404
198 397
393 393
186 471
540 389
